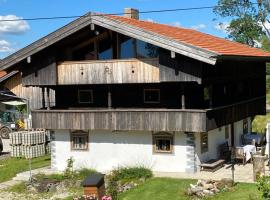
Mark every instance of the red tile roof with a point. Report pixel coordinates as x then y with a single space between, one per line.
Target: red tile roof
195 38
2 73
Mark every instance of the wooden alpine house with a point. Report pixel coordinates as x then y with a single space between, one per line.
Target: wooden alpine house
119 91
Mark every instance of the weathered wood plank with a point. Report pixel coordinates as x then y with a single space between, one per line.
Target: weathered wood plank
111 71
43 76
129 119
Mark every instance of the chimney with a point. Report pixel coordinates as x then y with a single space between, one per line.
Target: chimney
131 13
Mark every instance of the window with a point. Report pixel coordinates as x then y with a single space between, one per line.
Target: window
85 96
227 132
105 51
245 126
127 47
204 142
151 96
163 143
79 140
146 50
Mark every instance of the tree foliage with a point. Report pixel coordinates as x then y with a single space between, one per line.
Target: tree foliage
249 19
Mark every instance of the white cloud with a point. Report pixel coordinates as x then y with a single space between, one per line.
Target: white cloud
199 26
177 24
222 26
5 46
150 20
13 27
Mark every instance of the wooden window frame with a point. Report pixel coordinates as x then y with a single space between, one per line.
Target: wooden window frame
91 92
203 148
79 133
145 90
166 136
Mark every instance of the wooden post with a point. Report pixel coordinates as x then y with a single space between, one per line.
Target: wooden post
43 97
183 99
211 96
48 99
96 48
109 99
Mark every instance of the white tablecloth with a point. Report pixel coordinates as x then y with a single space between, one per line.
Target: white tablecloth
248 150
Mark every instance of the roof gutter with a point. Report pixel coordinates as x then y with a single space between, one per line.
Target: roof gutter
241 58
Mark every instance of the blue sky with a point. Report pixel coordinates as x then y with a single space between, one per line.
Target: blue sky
15 35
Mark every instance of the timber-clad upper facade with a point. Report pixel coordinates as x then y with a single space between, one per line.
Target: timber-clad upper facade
120 73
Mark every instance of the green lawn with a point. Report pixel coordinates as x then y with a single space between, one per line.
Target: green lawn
174 189
9 167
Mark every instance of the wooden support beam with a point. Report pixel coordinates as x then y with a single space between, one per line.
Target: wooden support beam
48 99
109 99
183 99
43 97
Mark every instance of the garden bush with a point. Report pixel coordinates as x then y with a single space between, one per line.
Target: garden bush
124 175
263 185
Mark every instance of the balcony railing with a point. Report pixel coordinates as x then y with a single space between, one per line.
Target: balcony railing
187 120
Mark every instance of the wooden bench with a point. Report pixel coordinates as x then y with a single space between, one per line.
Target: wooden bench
212 165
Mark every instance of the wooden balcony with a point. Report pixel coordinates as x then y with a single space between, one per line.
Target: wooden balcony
105 72
187 120
121 119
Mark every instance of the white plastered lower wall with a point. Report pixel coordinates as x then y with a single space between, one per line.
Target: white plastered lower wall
108 150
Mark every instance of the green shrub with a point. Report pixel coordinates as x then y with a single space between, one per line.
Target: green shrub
263 185
127 174
123 175
84 172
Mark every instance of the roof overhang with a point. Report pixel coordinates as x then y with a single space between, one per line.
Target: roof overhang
108 22
7 76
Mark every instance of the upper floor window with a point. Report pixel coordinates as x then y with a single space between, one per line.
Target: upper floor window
146 50
127 46
151 95
105 51
85 96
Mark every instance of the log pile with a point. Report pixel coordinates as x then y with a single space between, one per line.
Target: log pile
204 188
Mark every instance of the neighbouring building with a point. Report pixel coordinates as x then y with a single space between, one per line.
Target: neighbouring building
119 91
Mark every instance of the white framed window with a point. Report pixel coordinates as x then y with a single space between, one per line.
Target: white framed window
85 96
151 95
163 143
79 140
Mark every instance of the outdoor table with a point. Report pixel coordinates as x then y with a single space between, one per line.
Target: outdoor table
249 137
248 150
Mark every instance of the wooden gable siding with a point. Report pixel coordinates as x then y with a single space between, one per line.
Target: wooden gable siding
33 94
111 71
43 76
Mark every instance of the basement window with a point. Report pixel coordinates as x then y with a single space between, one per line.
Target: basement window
85 96
204 142
151 95
79 140
163 143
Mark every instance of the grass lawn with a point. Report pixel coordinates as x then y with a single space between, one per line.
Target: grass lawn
174 189
9 167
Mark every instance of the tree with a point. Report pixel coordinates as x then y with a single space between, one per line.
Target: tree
248 19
